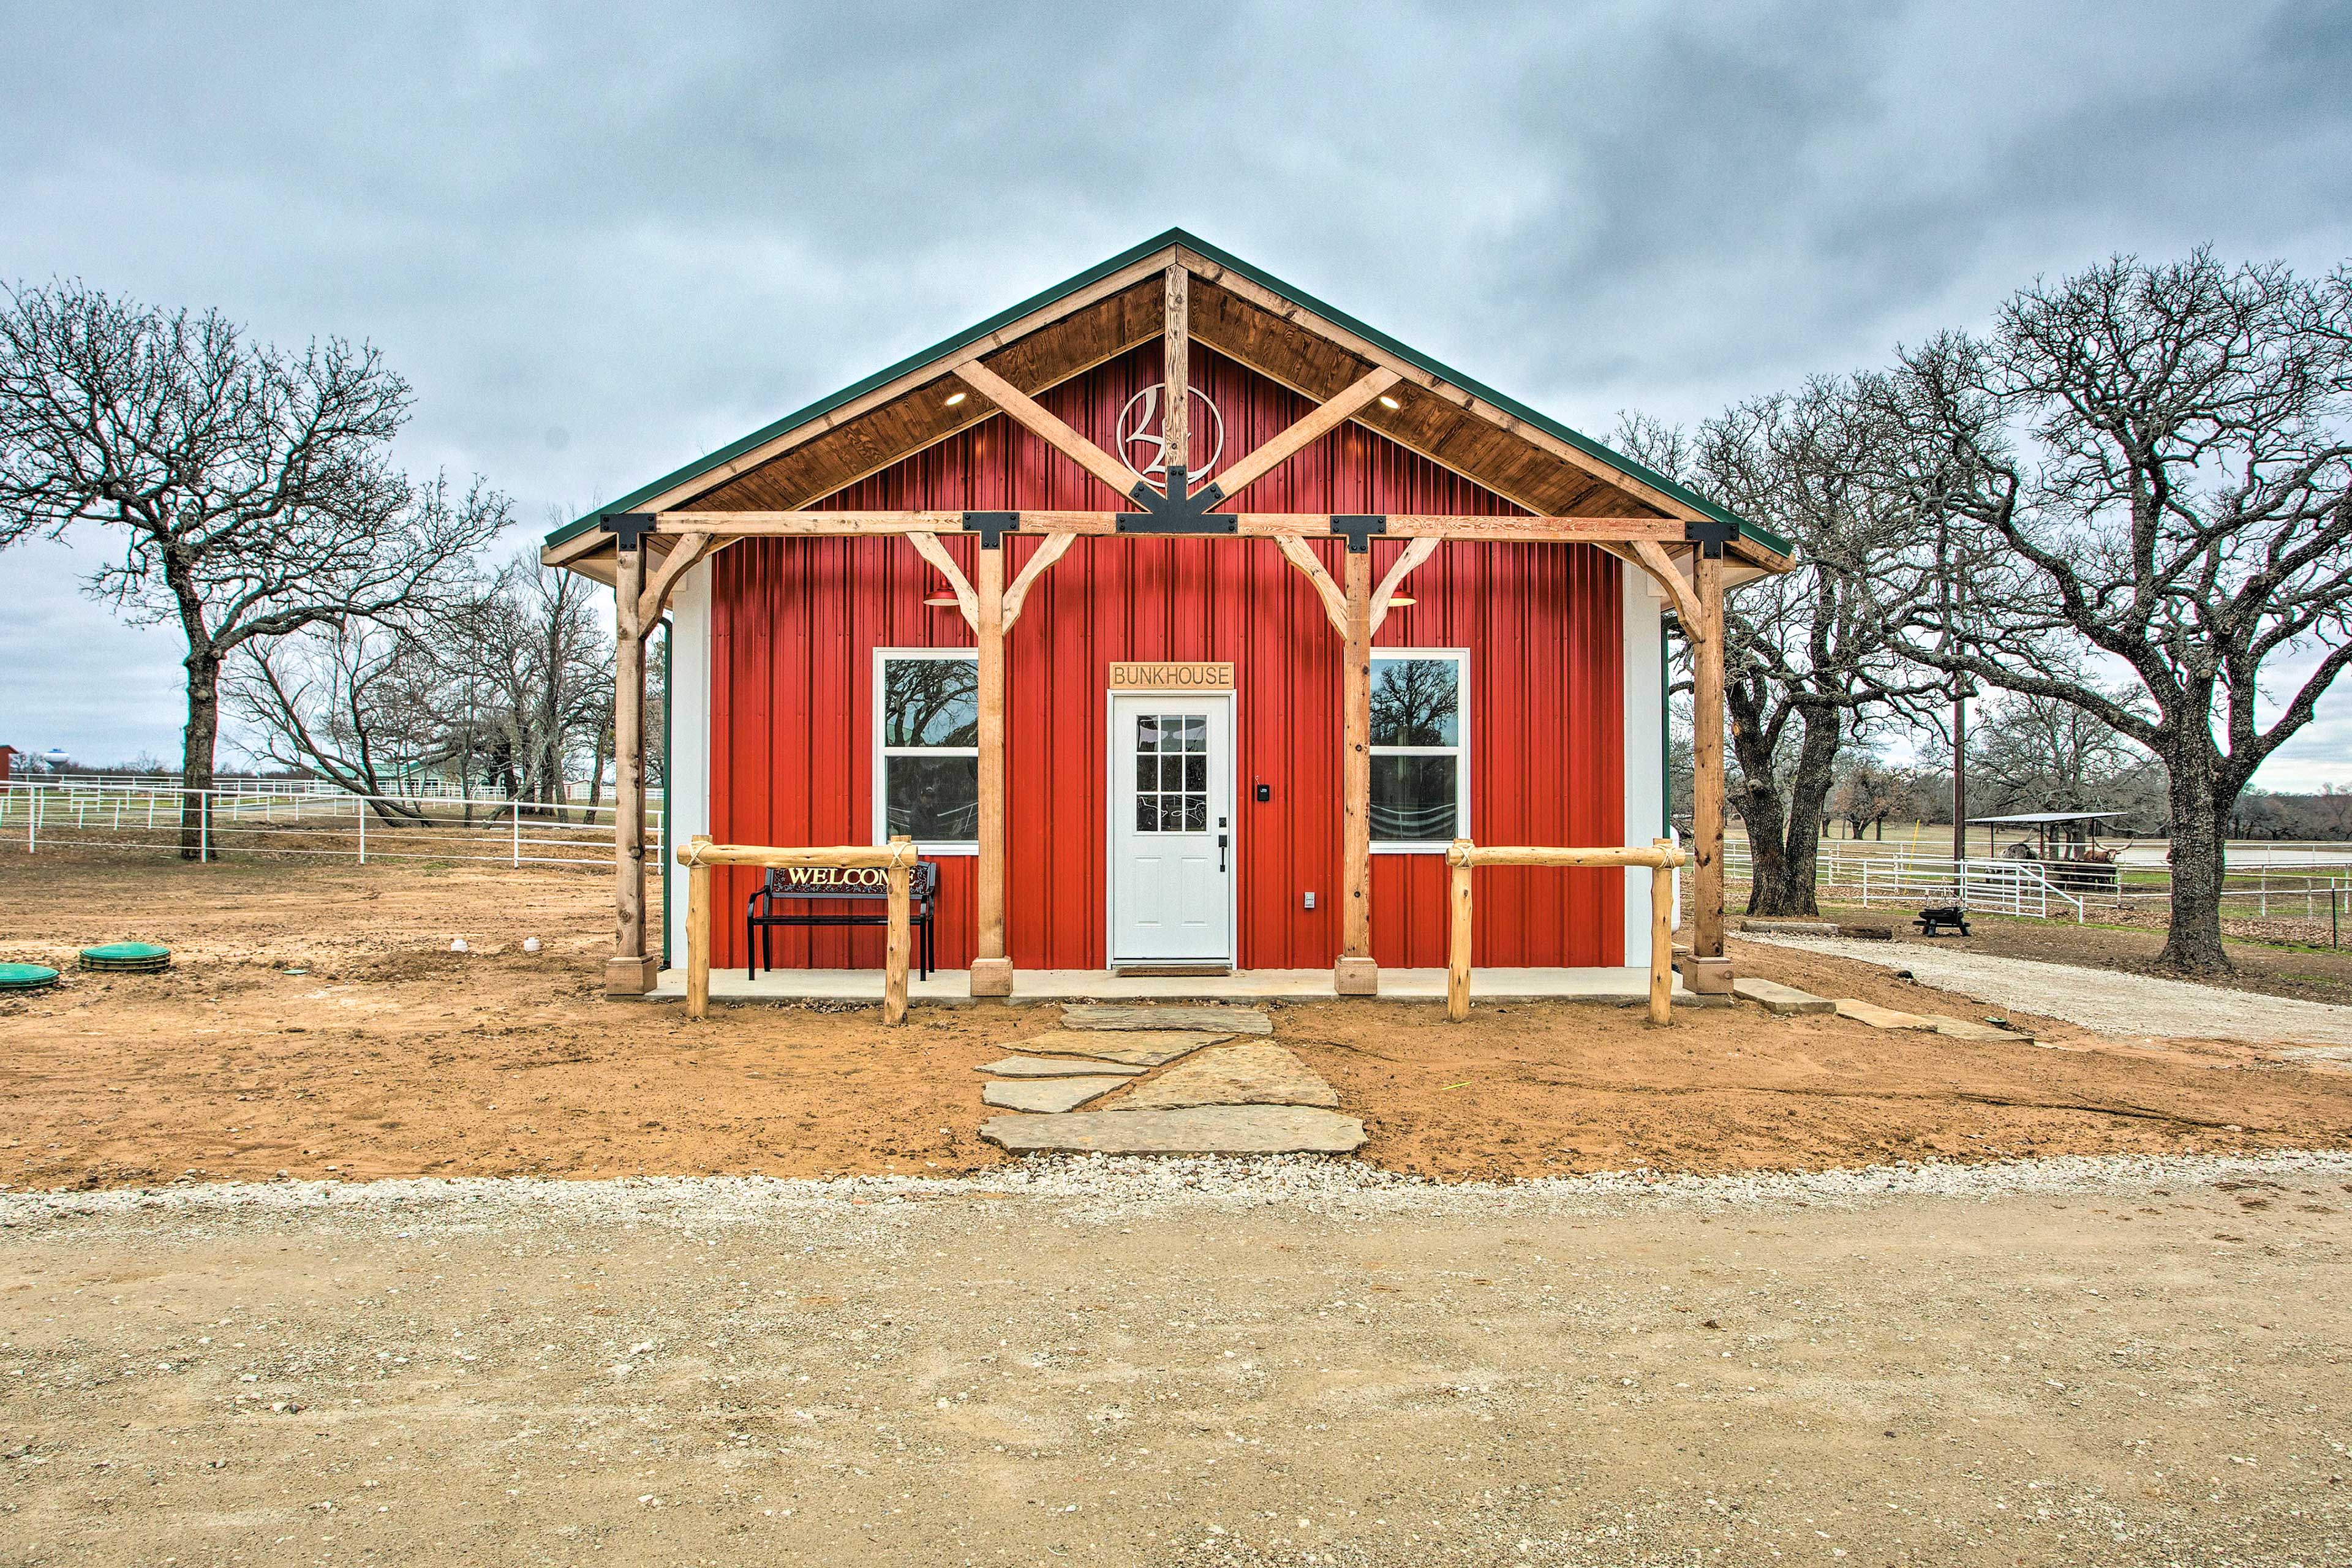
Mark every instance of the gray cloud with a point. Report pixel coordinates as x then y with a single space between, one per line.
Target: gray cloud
651 233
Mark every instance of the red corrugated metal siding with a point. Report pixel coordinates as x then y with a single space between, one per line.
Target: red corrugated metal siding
796 621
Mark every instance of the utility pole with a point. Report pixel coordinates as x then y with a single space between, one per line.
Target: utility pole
1960 768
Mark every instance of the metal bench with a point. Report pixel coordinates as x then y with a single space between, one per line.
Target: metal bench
1951 915
813 884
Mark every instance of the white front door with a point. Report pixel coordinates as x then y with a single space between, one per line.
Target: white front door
1172 839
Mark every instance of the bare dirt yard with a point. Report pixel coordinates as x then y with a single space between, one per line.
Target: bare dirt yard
1155 1362
315 1025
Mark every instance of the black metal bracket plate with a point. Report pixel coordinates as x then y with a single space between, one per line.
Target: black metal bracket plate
991 526
629 529
1710 536
1176 511
1357 528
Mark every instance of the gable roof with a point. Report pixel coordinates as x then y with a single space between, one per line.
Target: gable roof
721 465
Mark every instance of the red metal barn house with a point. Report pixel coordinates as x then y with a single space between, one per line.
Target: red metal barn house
1214 716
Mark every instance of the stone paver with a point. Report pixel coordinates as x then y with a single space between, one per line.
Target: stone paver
1255 1073
1203 1129
1224 1020
1775 997
1045 1067
1133 1048
1879 1018
1969 1029
1049 1095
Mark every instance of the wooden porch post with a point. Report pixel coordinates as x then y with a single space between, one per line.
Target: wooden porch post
1355 974
992 969
1707 781
629 972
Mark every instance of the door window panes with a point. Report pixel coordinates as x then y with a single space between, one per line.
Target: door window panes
1171 772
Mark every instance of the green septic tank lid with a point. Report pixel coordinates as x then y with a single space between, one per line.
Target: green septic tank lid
25 976
120 951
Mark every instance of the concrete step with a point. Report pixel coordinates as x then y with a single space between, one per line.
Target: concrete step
1775 997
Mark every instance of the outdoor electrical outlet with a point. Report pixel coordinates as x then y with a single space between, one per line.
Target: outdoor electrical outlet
1310 899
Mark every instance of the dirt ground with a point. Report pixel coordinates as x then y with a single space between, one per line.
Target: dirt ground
2135 1372
2307 974
315 1025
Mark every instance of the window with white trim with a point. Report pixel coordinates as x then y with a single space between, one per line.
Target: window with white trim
927 747
1420 748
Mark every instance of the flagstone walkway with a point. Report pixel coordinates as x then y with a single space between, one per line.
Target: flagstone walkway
1162 1080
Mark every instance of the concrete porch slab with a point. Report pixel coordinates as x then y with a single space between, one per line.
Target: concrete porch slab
952 987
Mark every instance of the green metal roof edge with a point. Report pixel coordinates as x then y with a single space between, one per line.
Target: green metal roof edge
1176 237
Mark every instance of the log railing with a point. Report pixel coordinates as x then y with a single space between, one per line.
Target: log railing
1660 857
896 860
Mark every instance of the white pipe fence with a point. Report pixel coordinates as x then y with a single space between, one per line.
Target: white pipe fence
45 815
1866 873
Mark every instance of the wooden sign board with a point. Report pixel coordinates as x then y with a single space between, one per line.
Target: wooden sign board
1171 676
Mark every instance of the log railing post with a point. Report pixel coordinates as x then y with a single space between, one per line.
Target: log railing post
900 944
1660 859
1457 945
1662 935
1356 974
697 930
991 969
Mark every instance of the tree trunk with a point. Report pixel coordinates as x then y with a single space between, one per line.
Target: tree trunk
1757 797
1796 889
2192 943
197 742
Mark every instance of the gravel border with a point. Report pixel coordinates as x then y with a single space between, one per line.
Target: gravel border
1100 1189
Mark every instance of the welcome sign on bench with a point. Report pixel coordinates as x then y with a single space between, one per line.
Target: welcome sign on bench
830 881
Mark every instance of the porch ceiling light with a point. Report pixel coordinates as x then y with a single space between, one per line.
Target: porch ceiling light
1389 403
956 397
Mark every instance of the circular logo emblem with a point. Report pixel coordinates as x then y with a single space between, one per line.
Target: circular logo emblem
1140 435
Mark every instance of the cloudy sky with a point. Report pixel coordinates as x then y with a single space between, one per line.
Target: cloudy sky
602 246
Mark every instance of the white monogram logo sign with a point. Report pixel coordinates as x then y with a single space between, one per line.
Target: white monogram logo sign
1141 433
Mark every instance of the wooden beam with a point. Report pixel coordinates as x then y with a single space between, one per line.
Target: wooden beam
992 969
1363 349
1320 422
1176 389
1355 974
914 379
929 547
1706 756
1026 410
1654 559
1334 605
1043 556
629 972
662 581
1603 531
1414 553
899 943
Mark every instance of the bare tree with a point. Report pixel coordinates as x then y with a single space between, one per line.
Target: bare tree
1807 662
2039 753
356 703
529 662
246 491
2152 460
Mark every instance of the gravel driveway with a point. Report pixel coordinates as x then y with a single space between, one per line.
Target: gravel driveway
2100 999
2135 1361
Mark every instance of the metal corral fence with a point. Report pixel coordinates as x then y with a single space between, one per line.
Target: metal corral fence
2264 885
238 821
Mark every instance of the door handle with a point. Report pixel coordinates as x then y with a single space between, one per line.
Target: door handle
1221 854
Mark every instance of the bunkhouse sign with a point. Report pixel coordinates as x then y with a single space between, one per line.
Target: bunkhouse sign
1171 676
